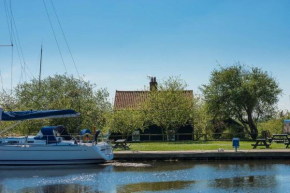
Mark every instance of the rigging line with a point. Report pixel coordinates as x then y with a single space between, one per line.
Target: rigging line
54 35
18 55
21 75
21 55
10 17
25 66
26 74
11 22
17 49
21 65
12 56
7 19
17 37
1 82
18 45
65 38
12 49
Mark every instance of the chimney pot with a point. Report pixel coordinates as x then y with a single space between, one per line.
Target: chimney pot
153 84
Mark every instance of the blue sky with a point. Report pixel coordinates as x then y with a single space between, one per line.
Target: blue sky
116 44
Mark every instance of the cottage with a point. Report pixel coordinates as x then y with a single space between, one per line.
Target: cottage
131 99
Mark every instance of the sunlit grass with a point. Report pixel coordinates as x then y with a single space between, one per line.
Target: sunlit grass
195 145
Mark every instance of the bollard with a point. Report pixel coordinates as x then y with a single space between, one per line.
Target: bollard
236 143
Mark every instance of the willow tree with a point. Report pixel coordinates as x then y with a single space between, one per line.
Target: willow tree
169 105
247 94
63 92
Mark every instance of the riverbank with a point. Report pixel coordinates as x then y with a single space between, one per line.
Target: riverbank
203 155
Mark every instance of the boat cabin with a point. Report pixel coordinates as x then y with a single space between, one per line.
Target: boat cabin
47 135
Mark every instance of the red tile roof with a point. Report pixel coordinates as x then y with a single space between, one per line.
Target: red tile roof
131 99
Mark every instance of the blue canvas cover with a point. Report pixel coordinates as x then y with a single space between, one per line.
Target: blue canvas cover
62 132
25 115
84 131
48 134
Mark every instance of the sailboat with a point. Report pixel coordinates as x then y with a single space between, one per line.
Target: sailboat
52 145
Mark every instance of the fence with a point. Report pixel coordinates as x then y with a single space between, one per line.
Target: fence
177 136
186 136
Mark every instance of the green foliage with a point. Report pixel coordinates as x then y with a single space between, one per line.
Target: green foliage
126 121
61 92
275 124
170 106
245 94
8 102
201 119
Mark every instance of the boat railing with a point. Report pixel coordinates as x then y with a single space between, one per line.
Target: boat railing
49 139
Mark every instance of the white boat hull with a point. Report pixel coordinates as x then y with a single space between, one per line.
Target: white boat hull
51 162
54 154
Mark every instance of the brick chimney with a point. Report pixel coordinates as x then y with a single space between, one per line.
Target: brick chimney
153 84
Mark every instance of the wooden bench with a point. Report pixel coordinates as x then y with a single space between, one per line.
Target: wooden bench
261 142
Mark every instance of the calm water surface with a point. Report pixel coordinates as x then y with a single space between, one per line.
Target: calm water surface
161 176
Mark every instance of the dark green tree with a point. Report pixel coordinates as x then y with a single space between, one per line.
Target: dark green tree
61 92
247 94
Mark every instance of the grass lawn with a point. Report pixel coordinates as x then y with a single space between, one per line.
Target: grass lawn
194 145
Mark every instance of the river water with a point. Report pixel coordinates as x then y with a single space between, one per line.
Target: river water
151 176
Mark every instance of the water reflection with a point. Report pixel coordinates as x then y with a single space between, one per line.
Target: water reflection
182 176
59 188
154 186
64 179
244 183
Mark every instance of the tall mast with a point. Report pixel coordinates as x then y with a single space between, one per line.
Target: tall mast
40 68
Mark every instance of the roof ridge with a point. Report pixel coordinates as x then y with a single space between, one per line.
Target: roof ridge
142 90
132 90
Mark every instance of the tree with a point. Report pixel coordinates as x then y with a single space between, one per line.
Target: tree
201 118
62 92
126 121
247 94
169 106
8 103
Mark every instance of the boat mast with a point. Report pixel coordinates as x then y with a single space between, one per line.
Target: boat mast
40 68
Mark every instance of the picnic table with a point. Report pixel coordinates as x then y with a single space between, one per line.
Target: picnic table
121 143
261 142
279 138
